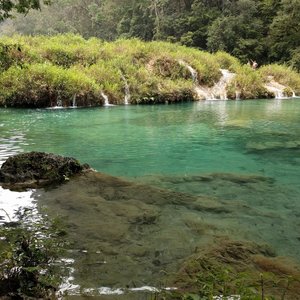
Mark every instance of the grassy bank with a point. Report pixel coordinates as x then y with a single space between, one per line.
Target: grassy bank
48 71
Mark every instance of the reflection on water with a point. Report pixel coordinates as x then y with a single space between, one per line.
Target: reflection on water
10 202
206 169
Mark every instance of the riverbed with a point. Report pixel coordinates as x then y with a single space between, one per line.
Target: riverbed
173 178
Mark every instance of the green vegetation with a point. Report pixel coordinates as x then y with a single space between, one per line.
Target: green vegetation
249 271
249 84
261 30
7 7
30 248
282 74
66 69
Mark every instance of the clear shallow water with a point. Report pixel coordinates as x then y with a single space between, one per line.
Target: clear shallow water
187 139
170 147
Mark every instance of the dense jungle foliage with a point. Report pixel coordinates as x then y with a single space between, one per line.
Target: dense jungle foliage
264 30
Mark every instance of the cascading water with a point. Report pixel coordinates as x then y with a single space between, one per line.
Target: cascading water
193 72
218 91
277 89
74 104
127 90
106 100
59 103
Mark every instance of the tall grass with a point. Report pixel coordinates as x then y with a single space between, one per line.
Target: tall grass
43 85
282 74
38 70
248 83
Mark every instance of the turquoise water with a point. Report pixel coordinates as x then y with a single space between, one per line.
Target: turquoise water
243 155
182 139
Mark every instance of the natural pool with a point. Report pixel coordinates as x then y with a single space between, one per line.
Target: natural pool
240 158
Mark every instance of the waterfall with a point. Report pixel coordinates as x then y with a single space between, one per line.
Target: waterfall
74 104
106 100
127 90
193 72
59 103
201 92
279 94
218 91
276 88
237 95
294 95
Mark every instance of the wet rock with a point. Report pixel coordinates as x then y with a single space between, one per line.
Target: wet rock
37 169
272 145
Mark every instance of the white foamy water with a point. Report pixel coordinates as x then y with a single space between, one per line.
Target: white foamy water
11 201
106 100
127 90
218 91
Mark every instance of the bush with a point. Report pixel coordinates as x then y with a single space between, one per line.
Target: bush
282 74
248 83
226 61
52 70
29 250
44 85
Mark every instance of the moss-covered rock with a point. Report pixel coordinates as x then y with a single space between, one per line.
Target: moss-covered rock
36 169
246 269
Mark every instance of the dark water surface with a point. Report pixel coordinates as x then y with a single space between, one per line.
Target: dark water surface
217 169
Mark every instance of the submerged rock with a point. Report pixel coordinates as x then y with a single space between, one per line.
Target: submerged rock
272 145
232 267
36 169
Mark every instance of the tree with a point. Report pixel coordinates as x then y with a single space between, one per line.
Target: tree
284 36
240 33
7 7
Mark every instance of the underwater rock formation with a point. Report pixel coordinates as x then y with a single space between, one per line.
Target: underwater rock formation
232 267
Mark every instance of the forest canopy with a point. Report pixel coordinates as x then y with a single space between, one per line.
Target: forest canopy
264 30
8 7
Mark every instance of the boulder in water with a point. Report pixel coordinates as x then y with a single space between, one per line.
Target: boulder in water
37 169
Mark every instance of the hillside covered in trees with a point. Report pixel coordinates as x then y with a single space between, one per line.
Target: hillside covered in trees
264 30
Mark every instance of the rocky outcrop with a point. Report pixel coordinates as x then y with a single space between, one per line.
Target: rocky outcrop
37 169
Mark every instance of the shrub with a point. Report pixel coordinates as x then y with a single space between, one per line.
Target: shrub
282 74
43 85
226 61
49 70
249 84
29 250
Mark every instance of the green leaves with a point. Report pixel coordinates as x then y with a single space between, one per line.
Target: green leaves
29 251
7 7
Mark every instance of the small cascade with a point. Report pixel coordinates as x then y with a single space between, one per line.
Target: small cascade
193 72
276 88
279 94
201 92
59 103
127 90
237 95
106 100
74 104
218 91
294 95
